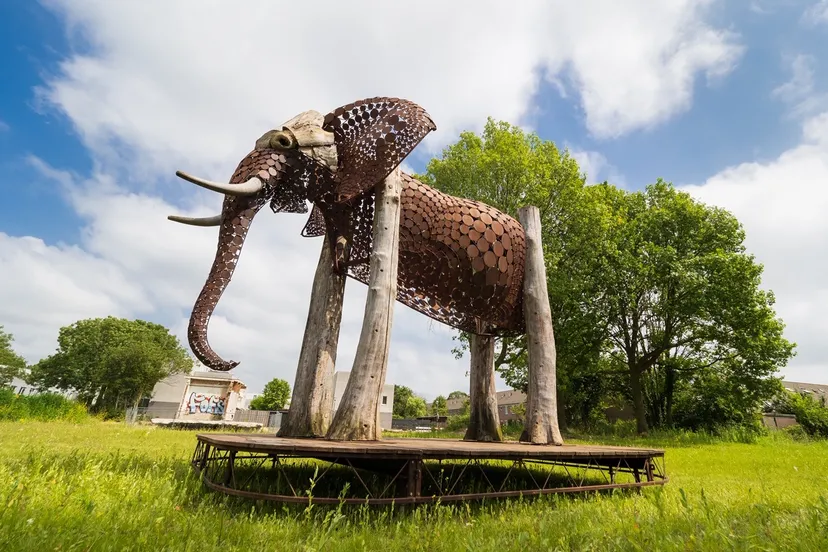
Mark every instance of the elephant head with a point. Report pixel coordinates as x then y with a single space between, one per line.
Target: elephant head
325 160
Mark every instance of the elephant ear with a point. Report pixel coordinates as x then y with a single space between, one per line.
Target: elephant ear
372 138
315 225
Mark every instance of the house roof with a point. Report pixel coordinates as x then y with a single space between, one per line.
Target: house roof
510 396
811 388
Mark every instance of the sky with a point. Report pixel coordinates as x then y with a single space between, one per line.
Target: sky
101 102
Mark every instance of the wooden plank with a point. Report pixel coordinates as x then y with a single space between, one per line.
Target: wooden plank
311 404
427 448
484 421
541 425
357 417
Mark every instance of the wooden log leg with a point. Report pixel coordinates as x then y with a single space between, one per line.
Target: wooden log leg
414 478
311 404
357 417
484 421
541 426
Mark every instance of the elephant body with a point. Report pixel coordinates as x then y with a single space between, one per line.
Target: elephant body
460 261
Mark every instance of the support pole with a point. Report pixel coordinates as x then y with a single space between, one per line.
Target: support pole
484 421
541 426
357 418
311 405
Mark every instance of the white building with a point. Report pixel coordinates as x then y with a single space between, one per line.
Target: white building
20 387
386 400
248 398
199 395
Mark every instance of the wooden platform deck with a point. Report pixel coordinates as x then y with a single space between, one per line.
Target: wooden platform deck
423 449
414 471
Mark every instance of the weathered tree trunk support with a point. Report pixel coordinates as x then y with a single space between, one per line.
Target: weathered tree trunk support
311 405
357 418
541 426
484 421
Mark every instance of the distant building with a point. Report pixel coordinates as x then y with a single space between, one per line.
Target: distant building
200 395
817 391
506 403
21 387
244 404
386 399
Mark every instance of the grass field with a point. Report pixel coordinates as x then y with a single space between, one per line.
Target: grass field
105 486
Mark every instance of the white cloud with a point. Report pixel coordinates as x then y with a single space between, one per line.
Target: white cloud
801 84
4 126
817 13
167 86
798 92
783 206
154 87
597 169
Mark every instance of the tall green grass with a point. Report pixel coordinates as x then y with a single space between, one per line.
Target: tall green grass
107 486
42 407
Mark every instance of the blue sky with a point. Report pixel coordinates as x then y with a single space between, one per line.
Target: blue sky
32 43
85 139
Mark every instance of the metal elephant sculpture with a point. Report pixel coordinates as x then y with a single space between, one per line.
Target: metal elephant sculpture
461 262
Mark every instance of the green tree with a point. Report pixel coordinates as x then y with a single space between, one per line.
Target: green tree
507 168
439 406
274 396
407 404
11 364
458 395
683 304
111 362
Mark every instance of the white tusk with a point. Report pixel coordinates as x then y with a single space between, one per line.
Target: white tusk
197 221
252 186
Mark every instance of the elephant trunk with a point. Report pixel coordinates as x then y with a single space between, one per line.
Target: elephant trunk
237 214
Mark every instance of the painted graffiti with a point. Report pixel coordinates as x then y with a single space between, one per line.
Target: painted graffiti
205 404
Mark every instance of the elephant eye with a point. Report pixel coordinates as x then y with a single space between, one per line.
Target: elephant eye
282 140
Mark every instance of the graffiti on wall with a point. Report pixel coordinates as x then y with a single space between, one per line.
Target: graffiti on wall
205 404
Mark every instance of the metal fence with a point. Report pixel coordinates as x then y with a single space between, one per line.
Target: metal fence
268 419
413 424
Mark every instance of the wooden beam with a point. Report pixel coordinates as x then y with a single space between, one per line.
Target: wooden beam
541 425
311 405
484 421
357 417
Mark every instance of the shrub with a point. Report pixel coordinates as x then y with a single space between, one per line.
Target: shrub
512 428
796 432
811 415
457 423
42 407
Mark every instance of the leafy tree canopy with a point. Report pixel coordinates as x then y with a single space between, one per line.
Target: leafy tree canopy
407 404
439 406
11 364
274 396
111 362
458 395
682 301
